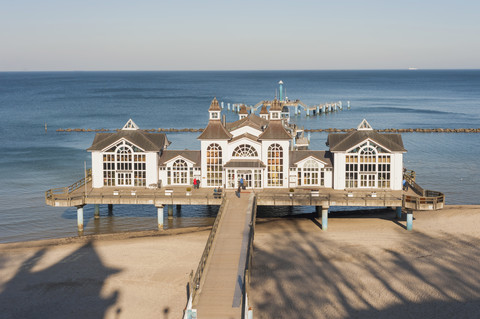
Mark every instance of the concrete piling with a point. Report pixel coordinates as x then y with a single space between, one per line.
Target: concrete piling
160 217
80 218
409 220
398 211
97 211
324 218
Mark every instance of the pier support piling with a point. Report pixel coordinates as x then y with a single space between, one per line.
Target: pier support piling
324 218
110 209
409 220
80 218
97 211
160 217
398 210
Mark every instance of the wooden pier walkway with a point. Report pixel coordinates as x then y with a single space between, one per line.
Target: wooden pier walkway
221 289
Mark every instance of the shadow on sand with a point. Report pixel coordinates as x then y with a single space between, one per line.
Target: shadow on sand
70 288
299 274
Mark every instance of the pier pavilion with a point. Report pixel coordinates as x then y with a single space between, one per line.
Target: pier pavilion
360 168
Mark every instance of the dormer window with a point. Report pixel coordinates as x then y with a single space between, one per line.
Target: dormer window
215 115
274 115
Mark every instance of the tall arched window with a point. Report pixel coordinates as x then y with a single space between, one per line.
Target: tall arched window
180 172
214 165
275 165
244 150
124 165
368 166
310 173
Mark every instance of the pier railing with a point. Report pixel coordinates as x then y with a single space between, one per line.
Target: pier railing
246 311
196 280
374 198
432 200
69 189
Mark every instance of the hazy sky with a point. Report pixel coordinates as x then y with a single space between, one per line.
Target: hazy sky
238 35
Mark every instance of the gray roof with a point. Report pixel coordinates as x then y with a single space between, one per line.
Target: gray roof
339 142
275 131
237 163
193 156
245 135
150 142
252 120
324 156
215 131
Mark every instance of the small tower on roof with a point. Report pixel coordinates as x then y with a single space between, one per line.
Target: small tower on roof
214 110
243 112
275 110
264 112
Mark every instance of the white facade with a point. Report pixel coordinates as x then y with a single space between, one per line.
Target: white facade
259 151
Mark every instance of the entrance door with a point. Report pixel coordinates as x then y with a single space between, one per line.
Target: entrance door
367 180
247 177
124 179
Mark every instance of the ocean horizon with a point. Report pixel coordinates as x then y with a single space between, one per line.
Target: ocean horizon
34 160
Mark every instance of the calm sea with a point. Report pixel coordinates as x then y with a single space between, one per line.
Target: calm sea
32 161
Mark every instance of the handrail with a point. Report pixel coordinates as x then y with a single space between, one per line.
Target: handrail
70 189
248 263
195 281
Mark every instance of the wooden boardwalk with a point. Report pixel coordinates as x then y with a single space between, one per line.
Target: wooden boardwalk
221 289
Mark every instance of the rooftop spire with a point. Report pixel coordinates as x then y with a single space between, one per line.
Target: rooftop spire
130 125
214 106
364 126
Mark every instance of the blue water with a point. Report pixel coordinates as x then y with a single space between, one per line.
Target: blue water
33 161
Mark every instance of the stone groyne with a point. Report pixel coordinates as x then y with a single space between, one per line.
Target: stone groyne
328 130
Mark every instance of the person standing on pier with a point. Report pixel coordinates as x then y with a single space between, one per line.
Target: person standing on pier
195 183
241 183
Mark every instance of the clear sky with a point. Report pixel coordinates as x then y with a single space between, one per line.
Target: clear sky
238 35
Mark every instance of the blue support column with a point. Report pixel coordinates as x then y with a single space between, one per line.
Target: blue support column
296 109
80 218
399 212
281 90
324 218
97 211
228 106
409 220
318 109
323 109
160 217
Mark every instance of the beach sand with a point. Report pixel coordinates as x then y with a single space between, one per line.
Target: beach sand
139 275
364 266
369 266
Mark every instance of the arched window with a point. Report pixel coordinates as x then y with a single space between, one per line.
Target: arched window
367 166
244 150
310 172
124 165
214 165
275 165
180 172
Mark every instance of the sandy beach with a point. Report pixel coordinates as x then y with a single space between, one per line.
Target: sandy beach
364 266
